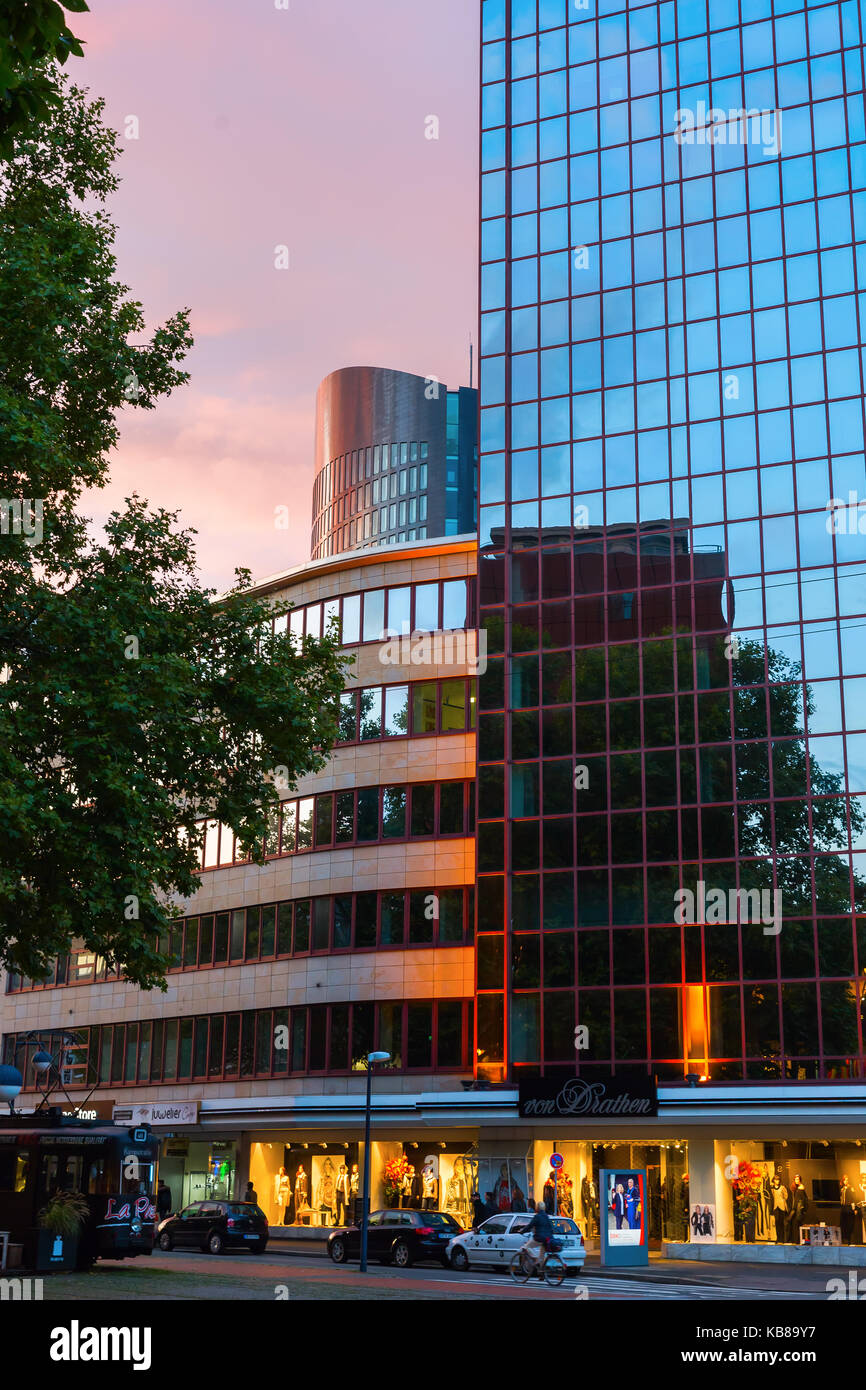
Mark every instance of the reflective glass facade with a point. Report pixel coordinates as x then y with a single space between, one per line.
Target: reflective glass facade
672 504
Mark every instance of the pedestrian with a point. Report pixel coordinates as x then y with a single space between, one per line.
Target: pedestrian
489 1205
163 1200
251 1195
479 1211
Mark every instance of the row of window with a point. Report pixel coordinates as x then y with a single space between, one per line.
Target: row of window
349 469
360 816
331 922
395 711
537 30
407 480
376 523
373 614
357 534
796 1021
333 1038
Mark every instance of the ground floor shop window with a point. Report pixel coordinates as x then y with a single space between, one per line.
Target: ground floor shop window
793 1192
306 1182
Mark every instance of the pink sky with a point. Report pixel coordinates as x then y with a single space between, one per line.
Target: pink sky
306 128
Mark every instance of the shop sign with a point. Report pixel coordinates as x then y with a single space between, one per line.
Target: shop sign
628 1097
91 1110
180 1112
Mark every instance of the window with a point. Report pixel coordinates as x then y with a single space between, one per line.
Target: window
374 614
396 710
14 1170
453 706
393 813
424 707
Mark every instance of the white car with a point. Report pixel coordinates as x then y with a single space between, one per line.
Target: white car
497 1240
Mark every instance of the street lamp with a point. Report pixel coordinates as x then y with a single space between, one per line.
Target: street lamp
372 1059
11 1082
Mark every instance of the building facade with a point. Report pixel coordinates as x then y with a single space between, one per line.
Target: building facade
396 460
671 757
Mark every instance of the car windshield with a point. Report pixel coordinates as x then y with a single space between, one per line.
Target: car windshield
440 1219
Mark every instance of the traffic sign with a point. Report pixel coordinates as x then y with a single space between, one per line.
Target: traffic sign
556 1160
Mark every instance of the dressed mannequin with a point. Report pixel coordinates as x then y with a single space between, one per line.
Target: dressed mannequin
862 1201
302 1202
548 1195
798 1201
344 1192
452 1194
780 1209
589 1202
354 1189
282 1195
430 1183
502 1190
765 1204
847 1209
326 1195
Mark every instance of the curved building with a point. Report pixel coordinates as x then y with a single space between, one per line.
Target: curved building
396 460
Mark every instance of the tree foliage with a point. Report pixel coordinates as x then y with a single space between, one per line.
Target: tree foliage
132 704
32 34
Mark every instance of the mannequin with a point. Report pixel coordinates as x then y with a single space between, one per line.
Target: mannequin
589 1202
282 1195
797 1204
847 1212
430 1183
780 1208
344 1192
502 1190
549 1194
765 1204
302 1203
326 1195
354 1189
452 1192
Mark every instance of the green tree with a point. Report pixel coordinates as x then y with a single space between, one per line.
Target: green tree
132 704
33 33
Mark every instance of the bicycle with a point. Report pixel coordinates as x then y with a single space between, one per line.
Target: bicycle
523 1266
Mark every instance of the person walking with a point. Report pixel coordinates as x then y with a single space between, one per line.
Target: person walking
251 1195
163 1200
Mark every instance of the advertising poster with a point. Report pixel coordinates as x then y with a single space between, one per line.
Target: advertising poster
702 1224
623 1217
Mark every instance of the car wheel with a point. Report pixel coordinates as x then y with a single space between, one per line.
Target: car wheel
460 1260
166 1242
400 1255
215 1243
338 1251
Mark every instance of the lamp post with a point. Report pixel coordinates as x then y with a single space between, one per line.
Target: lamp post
372 1058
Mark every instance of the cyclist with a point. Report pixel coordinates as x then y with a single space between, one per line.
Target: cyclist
540 1232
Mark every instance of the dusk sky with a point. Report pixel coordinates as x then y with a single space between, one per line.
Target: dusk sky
261 127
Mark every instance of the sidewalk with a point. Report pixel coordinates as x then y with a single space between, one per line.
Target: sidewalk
730 1274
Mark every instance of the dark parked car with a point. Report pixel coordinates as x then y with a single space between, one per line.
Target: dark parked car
215 1226
397 1237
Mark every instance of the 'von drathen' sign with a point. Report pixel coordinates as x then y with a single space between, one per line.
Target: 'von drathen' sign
632 1096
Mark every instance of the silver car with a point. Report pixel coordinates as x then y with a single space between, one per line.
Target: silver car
497 1240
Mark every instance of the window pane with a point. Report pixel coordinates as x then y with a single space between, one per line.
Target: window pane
371 712
451 808
396 709
365 919
321 923
305 823
281 1040
424 707
422 809
422 909
449 1042
351 619
362 1034
453 705
419 1035
338 1059
398 609
284 929
454 603
348 717
237 942
324 820
374 614
391 1032
342 922
426 607
393 812
450 914
302 925
345 824
392 919
269 915
368 813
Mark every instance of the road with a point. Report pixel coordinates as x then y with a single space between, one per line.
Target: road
278 1276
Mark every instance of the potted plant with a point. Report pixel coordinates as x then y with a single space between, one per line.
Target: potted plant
395 1174
747 1185
59 1224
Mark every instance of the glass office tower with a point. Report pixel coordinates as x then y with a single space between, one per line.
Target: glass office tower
672 503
